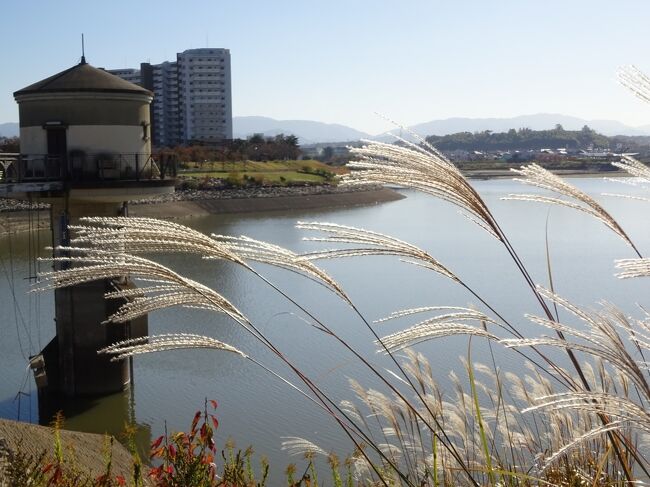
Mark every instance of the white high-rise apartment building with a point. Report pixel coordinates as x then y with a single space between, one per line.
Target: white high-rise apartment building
192 96
204 90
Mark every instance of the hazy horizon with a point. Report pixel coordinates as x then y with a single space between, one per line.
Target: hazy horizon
245 126
341 62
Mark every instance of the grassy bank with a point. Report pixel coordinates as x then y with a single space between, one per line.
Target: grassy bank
241 173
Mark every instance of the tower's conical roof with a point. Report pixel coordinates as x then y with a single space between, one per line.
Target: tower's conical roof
82 77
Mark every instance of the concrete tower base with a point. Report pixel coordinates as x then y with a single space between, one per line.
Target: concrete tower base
72 364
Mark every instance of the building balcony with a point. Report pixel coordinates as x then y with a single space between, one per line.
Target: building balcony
25 173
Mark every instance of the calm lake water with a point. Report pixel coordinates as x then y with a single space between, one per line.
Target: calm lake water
256 408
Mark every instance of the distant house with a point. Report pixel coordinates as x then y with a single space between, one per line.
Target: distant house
458 155
334 150
595 153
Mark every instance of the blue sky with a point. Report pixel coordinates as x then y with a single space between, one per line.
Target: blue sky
341 61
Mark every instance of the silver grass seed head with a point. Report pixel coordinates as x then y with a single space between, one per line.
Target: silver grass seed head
423 146
267 253
631 268
634 168
537 176
424 170
147 235
91 265
367 243
299 446
409 337
160 343
635 81
455 313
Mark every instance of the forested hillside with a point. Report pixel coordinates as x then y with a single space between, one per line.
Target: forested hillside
521 139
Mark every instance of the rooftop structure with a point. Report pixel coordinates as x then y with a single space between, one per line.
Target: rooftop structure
81 78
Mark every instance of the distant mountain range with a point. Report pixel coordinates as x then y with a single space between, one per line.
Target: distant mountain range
308 131
312 132
9 129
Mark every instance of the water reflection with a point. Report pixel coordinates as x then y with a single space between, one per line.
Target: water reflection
106 415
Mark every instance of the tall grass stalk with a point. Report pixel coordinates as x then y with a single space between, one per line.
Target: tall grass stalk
479 419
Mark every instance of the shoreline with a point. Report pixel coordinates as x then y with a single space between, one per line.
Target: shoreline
212 206
15 218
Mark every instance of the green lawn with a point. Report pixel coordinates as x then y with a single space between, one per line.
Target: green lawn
272 172
267 167
270 176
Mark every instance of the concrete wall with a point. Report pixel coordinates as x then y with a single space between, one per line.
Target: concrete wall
95 122
107 138
80 311
116 139
83 109
33 140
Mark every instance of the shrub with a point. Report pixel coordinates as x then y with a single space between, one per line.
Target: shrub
189 184
205 182
187 458
234 180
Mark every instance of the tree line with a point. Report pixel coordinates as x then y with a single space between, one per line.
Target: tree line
522 139
254 148
9 144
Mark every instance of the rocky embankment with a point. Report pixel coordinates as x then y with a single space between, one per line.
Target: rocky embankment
253 192
15 216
